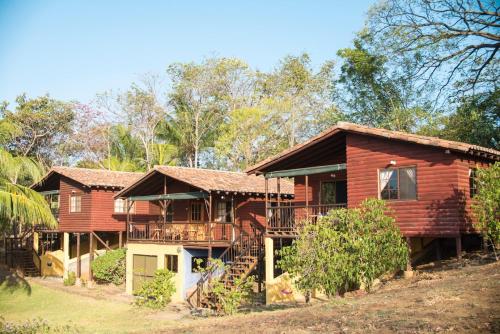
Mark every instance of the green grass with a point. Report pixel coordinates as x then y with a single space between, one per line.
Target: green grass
21 302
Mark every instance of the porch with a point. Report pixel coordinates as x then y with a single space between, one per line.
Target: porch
183 232
318 190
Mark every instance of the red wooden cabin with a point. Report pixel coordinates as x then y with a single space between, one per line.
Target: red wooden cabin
427 181
88 214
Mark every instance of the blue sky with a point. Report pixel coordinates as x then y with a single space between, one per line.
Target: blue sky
74 49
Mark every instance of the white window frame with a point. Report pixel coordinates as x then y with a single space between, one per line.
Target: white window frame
76 206
398 188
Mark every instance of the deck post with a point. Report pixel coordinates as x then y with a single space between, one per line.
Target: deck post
266 190
269 260
307 196
164 201
78 261
458 243
66 247
409 271
278 190
209 232
91 258
120 239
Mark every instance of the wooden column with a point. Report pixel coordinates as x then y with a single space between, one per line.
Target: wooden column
307 195
91 258
210 226
164 201
458 242
78 259
409 270
278 190
120 239
266 190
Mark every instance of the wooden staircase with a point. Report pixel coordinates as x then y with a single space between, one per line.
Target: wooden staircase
240 259
19 254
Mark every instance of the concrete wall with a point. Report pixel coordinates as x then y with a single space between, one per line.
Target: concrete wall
159 251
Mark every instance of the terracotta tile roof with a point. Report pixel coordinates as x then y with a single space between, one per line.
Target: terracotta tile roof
216 180
389 134
94 177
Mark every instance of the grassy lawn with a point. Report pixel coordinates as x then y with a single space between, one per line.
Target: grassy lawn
21 302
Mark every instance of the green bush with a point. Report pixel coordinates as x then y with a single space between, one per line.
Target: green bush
71 280
486 204
345 249
158 292
35 326
110 267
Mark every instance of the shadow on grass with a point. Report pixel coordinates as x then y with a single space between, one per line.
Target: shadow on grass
11 282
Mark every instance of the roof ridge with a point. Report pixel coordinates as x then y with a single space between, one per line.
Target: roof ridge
201 168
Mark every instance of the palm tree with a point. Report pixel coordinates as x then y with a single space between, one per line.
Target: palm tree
18 203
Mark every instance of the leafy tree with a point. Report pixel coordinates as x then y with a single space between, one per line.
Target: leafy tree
376 94
144 113
486 204
300 97
202 96
452 42
249 136
45 124
18 203
345 249
476 121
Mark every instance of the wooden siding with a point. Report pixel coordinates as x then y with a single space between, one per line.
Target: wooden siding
442 184
74 221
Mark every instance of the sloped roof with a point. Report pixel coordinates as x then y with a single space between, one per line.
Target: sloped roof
388 134
216 180
93 177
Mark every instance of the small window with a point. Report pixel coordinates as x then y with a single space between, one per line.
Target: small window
143 270
199 262
171 263
398 183
75 203
472 182
196 211
121 205
224 212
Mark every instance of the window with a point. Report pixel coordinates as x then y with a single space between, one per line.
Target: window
75 203
472 182
398 183
171 263
224 212
197 263
144 267
196 211
121 206
328 193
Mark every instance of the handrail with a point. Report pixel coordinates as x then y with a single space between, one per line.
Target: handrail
244 243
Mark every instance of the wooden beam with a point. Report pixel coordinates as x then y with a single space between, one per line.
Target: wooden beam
305 171
91 257
78 257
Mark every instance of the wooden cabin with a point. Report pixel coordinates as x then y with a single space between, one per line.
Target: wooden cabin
428 182
89 216
195 214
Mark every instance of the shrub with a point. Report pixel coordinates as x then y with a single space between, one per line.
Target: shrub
110 267
225 300
158 292
35 326
345 249
486 204
71 280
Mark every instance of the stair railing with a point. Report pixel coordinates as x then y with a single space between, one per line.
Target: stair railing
244 245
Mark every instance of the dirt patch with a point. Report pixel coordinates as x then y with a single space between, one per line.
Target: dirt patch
445 296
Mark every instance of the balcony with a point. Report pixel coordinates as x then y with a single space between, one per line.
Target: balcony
182 232
285 219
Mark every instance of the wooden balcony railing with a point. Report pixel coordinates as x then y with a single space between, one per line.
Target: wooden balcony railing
285 218
182 231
